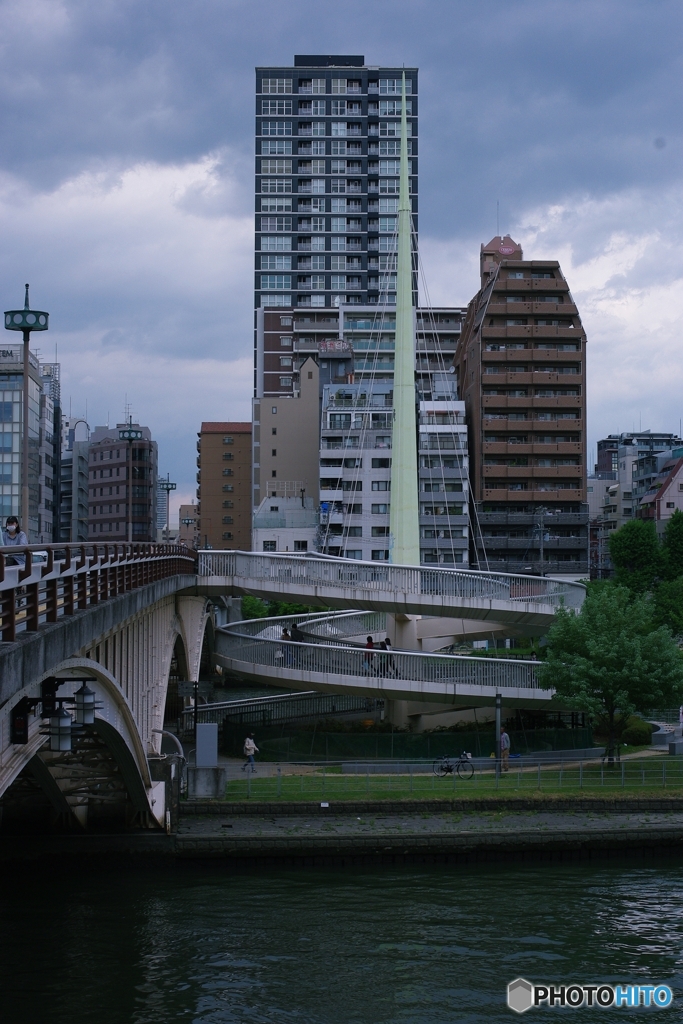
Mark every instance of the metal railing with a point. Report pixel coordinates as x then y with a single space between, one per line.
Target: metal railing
281 708
52 581
257 642
329 573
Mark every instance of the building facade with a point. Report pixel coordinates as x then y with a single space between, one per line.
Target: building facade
188 526
327 181
287 524
521 363
73 518
224 488
122 484
41 441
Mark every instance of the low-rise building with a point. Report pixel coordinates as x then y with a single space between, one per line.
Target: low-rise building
288 524
188 525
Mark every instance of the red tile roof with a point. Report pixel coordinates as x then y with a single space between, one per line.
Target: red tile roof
221 428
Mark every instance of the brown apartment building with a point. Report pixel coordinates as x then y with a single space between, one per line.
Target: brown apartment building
224 486
521 365
122 484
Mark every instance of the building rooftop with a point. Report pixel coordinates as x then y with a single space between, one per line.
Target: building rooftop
221 428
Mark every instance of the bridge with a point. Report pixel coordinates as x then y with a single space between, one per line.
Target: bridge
109 619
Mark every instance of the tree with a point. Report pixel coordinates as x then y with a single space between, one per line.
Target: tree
672 547
636 555
668 605
609 658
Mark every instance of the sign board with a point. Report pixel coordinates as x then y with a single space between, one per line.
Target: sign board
204 689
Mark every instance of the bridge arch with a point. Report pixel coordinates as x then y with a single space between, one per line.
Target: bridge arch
115 786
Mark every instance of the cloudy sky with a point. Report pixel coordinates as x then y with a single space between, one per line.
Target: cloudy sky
126 169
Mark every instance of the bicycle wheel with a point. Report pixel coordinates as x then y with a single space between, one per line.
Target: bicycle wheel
465 769
440 768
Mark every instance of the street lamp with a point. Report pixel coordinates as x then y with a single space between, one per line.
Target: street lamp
25 320
166 485
130 434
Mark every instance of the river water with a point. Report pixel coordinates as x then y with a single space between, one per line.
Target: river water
366 946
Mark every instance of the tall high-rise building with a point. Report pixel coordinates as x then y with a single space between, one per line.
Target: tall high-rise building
521 364
73 480
327 182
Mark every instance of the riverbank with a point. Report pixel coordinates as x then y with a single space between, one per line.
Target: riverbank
372 833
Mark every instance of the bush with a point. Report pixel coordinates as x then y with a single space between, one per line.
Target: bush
637 733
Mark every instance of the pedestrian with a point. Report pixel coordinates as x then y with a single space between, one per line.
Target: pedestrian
391 665
13 536
504 749
368 656
287 650
297 636
250 749
382 657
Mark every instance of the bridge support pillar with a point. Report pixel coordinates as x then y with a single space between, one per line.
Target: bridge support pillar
402 631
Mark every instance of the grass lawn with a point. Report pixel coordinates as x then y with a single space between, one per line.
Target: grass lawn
649 776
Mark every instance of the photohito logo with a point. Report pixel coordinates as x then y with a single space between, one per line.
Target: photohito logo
523 995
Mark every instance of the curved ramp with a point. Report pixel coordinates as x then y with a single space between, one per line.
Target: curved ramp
330 665
525 603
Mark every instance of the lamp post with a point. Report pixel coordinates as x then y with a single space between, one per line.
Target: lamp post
130 434
25 320
166 485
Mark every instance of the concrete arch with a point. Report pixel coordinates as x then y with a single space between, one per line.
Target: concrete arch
115 726
192 614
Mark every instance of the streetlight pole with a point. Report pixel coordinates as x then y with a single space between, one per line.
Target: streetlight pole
168 486
130 434
25 320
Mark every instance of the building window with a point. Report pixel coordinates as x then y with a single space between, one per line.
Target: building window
301 545
381 485
354 553
276 300
276 85
228 472
380 531
285 382
276 127
276 281
228 520
669 504
274 473
227 536
270 545
228 456
285 362
275 263
286 342
273 409
380 510
228 440
380 556
228 488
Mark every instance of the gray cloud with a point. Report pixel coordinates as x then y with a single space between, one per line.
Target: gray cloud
125 178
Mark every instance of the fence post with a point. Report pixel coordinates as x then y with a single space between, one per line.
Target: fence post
580 774
411 778
279 781
664 774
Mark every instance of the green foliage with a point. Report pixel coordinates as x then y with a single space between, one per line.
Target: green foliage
668 605
610 658
255 608
673 546
636 555
637 732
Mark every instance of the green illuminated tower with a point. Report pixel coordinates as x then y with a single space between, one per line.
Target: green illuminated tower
404 514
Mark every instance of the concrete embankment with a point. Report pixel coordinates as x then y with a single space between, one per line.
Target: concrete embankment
266 836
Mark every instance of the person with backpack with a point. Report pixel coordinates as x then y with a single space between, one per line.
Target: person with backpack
250 749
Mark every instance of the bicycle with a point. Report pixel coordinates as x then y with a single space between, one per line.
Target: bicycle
444 766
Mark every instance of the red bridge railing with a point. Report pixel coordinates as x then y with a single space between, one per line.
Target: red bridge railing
56 580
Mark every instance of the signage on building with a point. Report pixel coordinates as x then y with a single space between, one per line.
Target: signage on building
334 345
506 250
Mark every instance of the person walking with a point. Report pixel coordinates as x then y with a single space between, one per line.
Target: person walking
287 652
250 749
391 665
368 656
12 536
504 749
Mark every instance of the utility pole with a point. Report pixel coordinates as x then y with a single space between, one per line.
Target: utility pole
25 320
130 434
